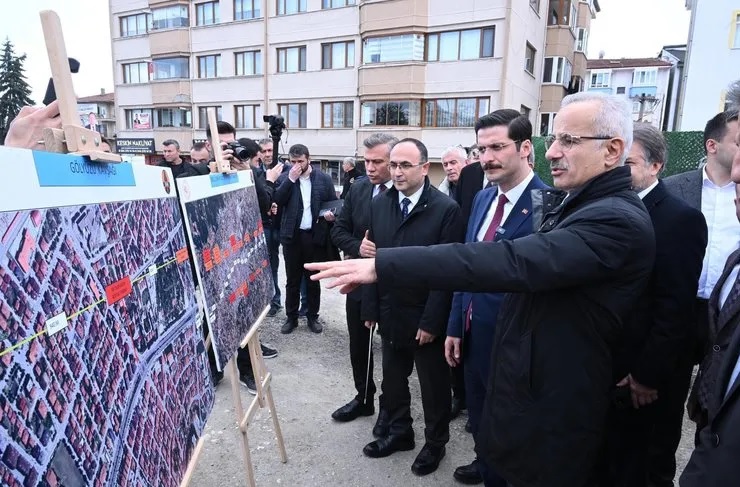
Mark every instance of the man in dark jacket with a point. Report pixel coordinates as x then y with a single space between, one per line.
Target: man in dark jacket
412 322
349 234
573 282
304 233
179 168
352 174
656 343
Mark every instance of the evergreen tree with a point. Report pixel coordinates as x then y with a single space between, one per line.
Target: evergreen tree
14 90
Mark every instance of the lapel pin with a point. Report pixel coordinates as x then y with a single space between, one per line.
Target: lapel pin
525 211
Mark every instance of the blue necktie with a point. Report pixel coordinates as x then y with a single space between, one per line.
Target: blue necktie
405 207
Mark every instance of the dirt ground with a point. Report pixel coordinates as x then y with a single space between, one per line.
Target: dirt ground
311 378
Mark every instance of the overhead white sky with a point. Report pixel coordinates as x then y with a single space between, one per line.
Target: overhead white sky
623 28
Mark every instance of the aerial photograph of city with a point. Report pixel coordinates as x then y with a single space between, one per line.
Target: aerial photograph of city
120 392
231 254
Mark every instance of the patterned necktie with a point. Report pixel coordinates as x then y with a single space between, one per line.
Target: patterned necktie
405 207
498 215
381 189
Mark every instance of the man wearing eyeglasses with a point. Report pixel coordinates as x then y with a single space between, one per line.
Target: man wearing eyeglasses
573 282
412 322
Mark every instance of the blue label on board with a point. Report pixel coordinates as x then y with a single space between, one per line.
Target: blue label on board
221 179
70 170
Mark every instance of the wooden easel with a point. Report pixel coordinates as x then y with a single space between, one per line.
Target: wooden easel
262 378
73 138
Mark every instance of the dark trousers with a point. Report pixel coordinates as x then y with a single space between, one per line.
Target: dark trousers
273 249
299 252
457 381
359 343
624 459
667 427
434 379
476 370
243 362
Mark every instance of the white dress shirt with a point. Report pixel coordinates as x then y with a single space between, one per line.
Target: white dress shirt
307 217
513 196
414 198
376 188
718 207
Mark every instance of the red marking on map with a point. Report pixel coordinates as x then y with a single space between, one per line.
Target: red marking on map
234 243
256 233
217 255
252 277
232 298
118 290
264 263
207 259
182 255
247 238
226 253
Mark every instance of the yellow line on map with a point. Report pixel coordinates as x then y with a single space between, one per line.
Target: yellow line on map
20 344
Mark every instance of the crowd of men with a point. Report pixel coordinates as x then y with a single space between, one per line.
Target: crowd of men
567 319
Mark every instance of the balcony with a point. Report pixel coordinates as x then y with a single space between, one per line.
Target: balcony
173 41
171 92
393 80
607 90
397 16
637 91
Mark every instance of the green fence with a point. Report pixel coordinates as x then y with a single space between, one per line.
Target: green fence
685 152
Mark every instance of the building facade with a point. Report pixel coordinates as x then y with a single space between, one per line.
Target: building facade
98 112
564 63
645 81
676 55
713 47
336 70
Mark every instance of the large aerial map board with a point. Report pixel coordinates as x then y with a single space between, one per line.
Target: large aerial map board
230 251
104 379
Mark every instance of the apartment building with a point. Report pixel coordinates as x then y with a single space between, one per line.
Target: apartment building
645 81
97 112
564 65
676 55
337 70
712 60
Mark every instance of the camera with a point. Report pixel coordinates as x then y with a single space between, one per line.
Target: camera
240 152
277 125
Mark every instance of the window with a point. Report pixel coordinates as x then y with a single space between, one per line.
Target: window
645 77
291 59
338 55
169 68
206 13
408 47
209 66
461 44
170 17
138 118
600 79
557 70
203 116
248 116
393 112
294 114
581 39
336 3
172 117
337 115
247 9
454 112
531 52
134 25
334 170
525 110
135 73
736 32
562 12
576 84
248 63
546 123
287 7
535 4
621 90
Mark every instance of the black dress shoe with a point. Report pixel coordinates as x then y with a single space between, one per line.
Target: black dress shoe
382 426
289 326
468 474
457 406
389 445
315 325
428 459
352 410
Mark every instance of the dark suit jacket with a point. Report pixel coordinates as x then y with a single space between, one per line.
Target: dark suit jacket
659 332
353 222
714 462
486 305
469 184
288 196
686 186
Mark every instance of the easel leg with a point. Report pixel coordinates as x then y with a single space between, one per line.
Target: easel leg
276 424
234 373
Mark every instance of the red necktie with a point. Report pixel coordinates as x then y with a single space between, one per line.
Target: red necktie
498 215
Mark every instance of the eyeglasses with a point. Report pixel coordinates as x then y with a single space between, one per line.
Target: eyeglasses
567 141
498 147
404 166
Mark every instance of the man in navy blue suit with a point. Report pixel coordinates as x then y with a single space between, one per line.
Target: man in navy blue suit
505 139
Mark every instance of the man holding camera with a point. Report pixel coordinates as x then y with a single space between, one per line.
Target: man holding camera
303 232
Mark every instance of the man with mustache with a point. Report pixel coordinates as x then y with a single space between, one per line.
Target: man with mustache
572 284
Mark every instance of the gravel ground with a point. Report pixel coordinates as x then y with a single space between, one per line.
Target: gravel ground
311 378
